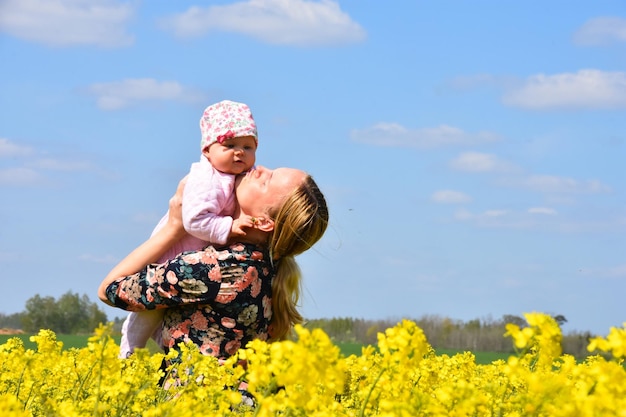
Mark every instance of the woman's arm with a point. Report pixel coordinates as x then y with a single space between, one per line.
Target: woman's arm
149 251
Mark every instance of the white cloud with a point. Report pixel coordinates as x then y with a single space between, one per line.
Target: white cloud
495 213
32 167
463 214
20 177
587 88
283 22
555 184
450 197
10 149
480 162
490 218
611 272
119 94
543 219
67 22
32 172
617 271
499 218
542 210
601 31
393 134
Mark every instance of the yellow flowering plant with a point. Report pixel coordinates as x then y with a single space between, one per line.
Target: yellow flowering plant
308 376
615 343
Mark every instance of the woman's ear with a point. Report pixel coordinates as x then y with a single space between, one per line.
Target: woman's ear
263 224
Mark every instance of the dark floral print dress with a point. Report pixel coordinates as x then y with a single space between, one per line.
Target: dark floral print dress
219 299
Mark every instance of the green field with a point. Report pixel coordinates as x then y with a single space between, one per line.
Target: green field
79 341
482 358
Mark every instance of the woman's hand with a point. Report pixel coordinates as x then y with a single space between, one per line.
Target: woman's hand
175 216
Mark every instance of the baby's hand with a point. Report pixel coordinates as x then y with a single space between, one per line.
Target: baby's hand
241 223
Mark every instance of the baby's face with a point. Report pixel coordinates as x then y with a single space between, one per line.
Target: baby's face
234 155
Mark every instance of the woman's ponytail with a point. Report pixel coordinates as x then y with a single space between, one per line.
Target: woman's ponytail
299 223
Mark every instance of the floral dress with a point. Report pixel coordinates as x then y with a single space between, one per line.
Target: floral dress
217 299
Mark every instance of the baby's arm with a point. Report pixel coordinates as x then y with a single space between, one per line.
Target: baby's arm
206 194
244 221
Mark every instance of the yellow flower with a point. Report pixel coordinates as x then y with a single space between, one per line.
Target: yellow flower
309 377
615 342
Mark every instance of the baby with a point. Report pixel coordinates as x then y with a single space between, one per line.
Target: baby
228 145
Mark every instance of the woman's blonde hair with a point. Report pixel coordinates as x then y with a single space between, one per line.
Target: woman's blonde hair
298 224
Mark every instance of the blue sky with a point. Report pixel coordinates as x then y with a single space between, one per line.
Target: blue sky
472 153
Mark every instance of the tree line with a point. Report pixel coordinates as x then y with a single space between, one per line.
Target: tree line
486 335
69 314
75 314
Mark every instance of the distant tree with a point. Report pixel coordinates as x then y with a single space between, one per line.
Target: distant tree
337 328
517 320
41 313
69 314
96 316
78 314
473 325
11 321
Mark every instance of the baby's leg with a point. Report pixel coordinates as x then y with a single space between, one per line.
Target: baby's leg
137 329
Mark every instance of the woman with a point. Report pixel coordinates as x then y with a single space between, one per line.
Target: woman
221 298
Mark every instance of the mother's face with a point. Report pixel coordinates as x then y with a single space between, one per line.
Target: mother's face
263 188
